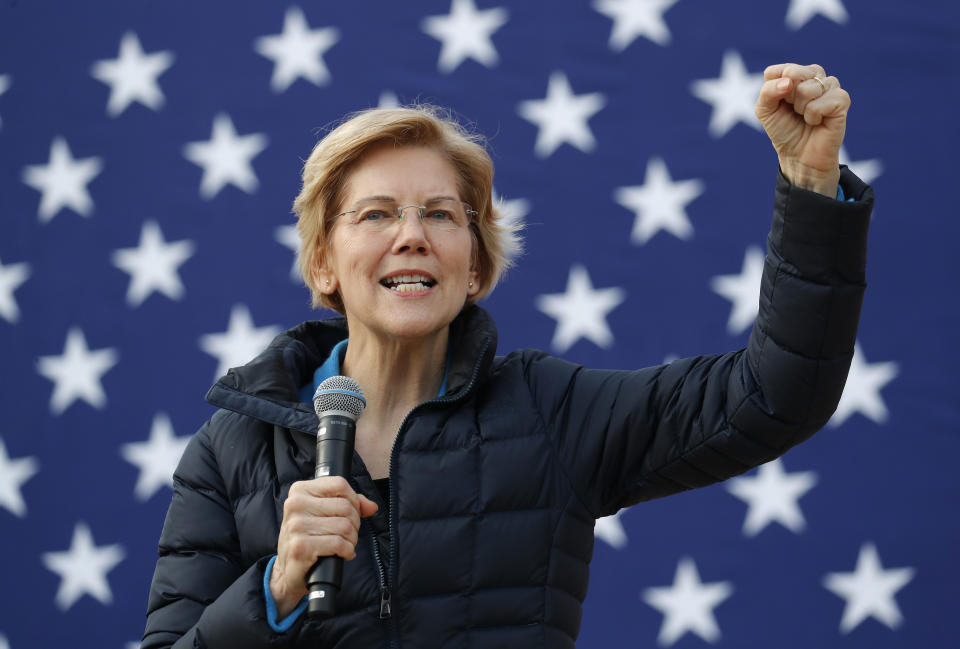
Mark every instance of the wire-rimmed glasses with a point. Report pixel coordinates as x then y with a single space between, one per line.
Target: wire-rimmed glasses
441 214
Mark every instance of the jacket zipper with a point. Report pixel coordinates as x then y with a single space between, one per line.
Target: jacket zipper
384 590
386 608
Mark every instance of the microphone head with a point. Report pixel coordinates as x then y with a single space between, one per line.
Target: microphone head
339 393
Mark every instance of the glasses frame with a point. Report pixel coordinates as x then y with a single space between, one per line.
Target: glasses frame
469 211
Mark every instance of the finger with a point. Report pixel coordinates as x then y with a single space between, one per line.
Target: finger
367 507
775 71
811 89
772 92
802 72
310 508
833 104
347 524
303 550
328 487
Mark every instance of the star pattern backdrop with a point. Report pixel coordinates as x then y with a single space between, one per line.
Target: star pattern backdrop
149 155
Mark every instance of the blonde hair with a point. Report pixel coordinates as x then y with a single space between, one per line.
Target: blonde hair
495 243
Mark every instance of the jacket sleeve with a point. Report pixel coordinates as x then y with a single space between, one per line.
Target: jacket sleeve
202 596
624 437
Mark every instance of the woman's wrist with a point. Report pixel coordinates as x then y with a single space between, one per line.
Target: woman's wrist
284 601
814 180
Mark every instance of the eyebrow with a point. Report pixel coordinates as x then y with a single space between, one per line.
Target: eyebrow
368 199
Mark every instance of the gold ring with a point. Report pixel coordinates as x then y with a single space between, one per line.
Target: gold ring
823 86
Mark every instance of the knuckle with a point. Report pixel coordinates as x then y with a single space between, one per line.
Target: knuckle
292 524
340 507
340 527
300 546
293 502
344 547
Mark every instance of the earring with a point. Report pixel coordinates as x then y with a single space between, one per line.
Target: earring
328 282
470 285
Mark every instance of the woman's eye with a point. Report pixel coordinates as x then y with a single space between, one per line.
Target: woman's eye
439 215
373 215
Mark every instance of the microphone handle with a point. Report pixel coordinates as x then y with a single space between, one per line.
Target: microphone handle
335 440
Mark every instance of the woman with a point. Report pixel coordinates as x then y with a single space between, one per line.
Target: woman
468 516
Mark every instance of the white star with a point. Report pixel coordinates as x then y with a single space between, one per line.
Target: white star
659 203
465 33
743 290
153 265
733 95
581 311
11 277
800 11
132 76
688 604
226 157
512 211
632 18
562 116
861 393
240 343
287 236
866 170
298 51
83 568
869 590
3 642
388 99
13 473
4 84
157 458
62 181
771 496
77 372
610 529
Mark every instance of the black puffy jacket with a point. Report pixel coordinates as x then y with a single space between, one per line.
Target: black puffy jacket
495 488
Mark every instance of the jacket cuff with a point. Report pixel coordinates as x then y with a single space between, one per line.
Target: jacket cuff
237 618
280 626
822 238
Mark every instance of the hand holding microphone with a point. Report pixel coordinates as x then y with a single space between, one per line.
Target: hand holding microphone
321 517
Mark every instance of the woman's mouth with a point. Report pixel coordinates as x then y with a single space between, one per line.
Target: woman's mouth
408 283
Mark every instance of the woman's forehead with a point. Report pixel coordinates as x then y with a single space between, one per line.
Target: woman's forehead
401 174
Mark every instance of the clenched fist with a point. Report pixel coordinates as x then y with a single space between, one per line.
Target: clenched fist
804 112
321 518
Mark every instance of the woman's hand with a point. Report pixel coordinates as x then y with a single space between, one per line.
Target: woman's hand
805 115
321 518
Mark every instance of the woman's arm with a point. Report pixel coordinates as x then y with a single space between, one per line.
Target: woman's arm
631 436
201 595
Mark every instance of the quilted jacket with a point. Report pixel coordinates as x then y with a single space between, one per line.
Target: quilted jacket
495 487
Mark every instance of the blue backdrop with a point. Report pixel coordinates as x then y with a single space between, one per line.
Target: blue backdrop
149 154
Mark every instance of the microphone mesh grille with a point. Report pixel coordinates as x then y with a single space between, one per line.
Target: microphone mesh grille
339 393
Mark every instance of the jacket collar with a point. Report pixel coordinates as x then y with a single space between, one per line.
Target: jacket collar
267 387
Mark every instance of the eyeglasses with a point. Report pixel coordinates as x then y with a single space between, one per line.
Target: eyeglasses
439 214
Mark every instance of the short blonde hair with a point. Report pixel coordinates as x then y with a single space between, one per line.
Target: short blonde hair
495 243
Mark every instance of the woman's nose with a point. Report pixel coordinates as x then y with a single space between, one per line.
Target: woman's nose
411 234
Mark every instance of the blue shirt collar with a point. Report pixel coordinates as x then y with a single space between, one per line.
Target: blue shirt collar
331 367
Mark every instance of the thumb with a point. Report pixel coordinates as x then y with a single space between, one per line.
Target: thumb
367 507
772 93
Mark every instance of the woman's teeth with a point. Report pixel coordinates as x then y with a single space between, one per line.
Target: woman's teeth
408 283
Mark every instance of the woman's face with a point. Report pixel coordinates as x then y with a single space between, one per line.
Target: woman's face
369 266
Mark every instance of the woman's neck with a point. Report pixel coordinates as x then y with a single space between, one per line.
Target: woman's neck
396 374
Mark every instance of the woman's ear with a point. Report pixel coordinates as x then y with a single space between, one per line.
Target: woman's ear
473 283
325 279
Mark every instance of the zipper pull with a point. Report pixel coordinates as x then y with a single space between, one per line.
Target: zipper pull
384 602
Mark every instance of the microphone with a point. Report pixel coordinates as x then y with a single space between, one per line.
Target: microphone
338 402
